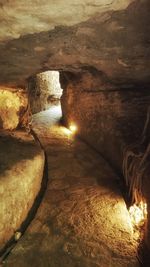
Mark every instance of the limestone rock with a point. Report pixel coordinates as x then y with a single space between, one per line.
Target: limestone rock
20 17
13 106
44 91
111 36
108 119
83 220
21 173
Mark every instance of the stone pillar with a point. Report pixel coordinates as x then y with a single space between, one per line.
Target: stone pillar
44 91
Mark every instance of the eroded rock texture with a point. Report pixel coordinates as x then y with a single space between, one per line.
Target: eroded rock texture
37 16
21 173
83 220
107 118
112 121
112 36
106 40
13 108
44 91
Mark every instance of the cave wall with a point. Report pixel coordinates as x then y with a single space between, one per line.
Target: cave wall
44 91
21 173
13 108
109 119
112 121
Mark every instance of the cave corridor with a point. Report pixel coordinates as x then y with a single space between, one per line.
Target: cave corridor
74 133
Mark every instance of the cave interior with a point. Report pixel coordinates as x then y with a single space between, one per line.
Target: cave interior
74 133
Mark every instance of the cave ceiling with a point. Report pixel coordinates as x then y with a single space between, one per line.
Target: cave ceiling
111 36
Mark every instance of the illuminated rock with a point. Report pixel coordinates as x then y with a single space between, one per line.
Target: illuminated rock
47 35
13 106
21 173
83 219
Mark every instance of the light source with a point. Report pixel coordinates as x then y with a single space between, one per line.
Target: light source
66 131
138 214
73 128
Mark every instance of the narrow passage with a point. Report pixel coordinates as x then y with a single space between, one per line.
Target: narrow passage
82 220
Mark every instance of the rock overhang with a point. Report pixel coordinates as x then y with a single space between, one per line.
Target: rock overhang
111 38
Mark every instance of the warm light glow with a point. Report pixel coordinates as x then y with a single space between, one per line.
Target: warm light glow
138 213
66 131
73 128
69 131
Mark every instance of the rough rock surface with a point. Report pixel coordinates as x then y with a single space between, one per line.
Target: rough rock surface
108 119
21 173
13 106
44 91
19 19
114 122
112 36
82 220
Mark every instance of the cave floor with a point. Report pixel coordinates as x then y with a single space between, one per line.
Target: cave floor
82 220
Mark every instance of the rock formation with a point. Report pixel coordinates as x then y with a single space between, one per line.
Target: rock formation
102 51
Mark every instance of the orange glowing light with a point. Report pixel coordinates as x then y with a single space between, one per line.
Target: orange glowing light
138 213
